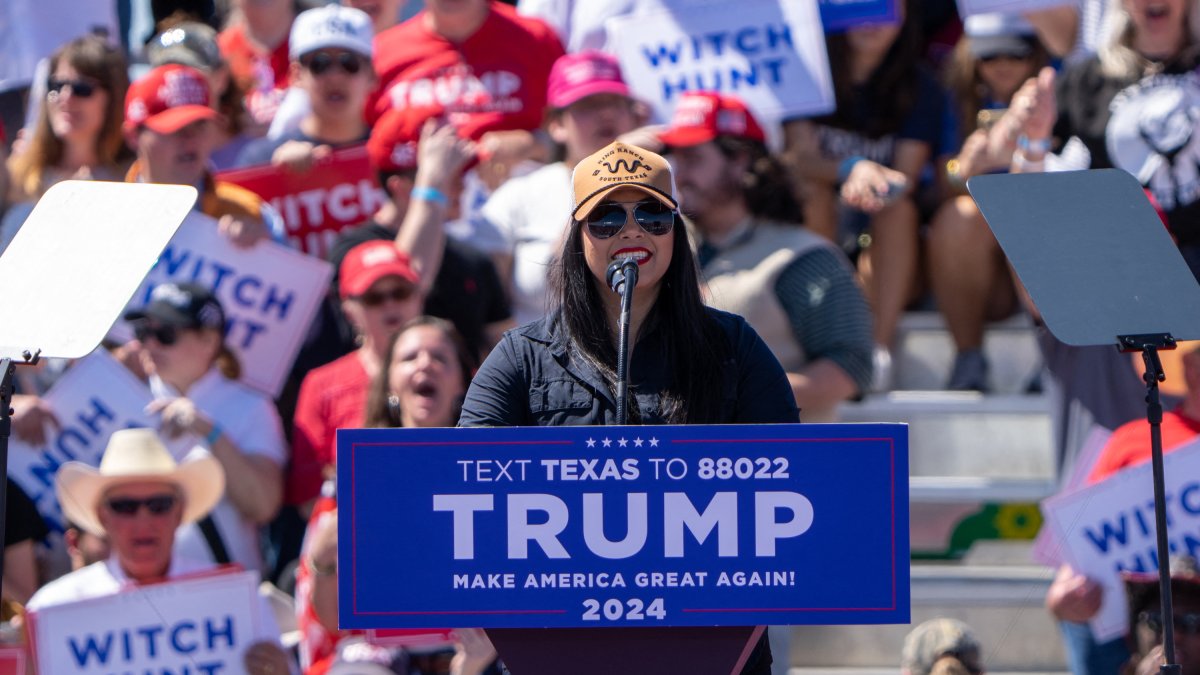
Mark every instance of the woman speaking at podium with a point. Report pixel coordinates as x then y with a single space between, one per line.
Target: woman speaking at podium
689 364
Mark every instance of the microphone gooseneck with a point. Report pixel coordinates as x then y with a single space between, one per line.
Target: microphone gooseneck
622 277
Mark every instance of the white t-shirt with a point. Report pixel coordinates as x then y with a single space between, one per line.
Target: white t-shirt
250 420
527 218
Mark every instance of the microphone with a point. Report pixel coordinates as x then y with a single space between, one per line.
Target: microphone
619 272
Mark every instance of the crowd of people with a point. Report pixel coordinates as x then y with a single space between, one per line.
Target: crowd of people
476 288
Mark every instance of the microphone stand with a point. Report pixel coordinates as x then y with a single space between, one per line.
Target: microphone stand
622 278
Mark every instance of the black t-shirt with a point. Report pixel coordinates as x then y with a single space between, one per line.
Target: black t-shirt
22 522
467 290
922 123
1146 126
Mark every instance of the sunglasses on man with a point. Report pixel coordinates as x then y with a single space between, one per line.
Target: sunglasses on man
321 62
1187 623
157 505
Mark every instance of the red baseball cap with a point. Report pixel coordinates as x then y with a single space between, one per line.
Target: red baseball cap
369 262
393 143
582 74
701 116
168 99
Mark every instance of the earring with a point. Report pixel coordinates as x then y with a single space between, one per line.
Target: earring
393 408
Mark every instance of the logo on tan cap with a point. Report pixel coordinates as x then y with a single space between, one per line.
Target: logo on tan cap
616 166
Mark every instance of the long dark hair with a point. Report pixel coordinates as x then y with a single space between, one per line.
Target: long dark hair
766 185
893 86
693 346
382 412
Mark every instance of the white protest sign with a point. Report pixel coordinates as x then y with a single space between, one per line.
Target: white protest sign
968 7
269 293
1108 528
198 626
769 53
95 397
1046 549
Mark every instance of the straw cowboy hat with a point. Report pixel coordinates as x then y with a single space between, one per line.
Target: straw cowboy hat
135 455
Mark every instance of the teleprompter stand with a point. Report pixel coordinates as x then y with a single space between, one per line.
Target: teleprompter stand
69 272
1100 266
8 368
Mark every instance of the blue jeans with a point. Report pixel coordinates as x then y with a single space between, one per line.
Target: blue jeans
1087 657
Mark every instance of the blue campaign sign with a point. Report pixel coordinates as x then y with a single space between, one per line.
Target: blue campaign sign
838 15
623 526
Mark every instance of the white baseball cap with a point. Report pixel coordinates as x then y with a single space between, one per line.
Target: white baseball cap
331 26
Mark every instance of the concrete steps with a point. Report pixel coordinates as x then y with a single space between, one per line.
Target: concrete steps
978 466
1003 603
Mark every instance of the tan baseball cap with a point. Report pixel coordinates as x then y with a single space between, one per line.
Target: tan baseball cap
616 166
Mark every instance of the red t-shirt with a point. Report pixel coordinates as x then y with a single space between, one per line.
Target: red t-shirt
331 397
1130 443
496 79
262 75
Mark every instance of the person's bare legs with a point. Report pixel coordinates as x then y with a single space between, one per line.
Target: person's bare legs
889 269
893 274
820 205
970 283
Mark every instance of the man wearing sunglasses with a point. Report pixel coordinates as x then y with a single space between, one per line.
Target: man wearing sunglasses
794 288
137 498
1146 621
331 63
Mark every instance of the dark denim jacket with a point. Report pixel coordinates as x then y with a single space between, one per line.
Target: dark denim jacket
536 377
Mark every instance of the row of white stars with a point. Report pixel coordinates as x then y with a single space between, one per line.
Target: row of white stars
623 442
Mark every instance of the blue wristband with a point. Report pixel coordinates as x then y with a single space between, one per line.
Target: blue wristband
211 439
1038 146
430 194
846 166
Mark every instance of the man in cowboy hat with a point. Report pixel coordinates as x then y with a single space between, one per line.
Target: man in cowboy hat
137 499
1145 617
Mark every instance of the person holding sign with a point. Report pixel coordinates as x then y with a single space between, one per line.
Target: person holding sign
170 124
1145 618
137 499
331 62
560 370
193 377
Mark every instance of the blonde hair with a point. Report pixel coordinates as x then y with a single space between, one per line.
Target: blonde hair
92 57
1118 59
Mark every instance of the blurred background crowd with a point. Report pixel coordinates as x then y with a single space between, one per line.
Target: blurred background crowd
826 232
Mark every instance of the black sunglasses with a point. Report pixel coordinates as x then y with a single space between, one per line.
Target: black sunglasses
79 88
164 335
319 63
377 298
156 505
1187 623
609 218
991 58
